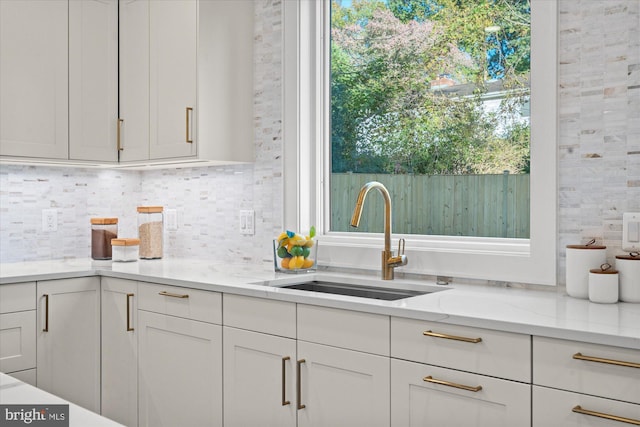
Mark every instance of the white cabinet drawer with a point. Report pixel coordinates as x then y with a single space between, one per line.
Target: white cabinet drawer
344 328
561 364
181 302
499 354
17 297
560 408
17 341
260 315
425 395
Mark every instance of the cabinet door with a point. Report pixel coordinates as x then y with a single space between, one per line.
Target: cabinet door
341 387
567 409
134 79
68 340
93 80
34 78
120 350
416 402
17 341
180 377
259 379
172 78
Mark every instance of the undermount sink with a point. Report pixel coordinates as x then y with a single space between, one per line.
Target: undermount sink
362 291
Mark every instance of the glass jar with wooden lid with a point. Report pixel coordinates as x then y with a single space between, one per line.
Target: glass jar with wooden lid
102 231
150 231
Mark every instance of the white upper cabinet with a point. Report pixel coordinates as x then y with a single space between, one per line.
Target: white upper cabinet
33 78
93 80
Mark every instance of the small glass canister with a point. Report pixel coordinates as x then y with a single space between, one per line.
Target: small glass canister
150 228
102 231
125 250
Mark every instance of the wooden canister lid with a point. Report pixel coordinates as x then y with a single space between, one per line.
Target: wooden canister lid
125 242
633 256
104 221
590 245
150 209
604 269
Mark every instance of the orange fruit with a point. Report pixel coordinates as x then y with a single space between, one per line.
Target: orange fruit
285 263
308 263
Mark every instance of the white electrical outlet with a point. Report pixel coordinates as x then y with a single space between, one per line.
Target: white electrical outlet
171 216
247 219
49 220
631 232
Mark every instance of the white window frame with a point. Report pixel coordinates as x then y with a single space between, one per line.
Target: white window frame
306 163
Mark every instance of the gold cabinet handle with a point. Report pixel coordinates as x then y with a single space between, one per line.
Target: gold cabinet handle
129 328
285 402
451 337
188 137
299 384
579 410
119 135
46 313
430 379
171 294
579 356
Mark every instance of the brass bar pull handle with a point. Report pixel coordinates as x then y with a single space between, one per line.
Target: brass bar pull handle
579 410
430 379
46 313
299 384
451 337
119 134
285 402
188 137
579 356
171 294
129 328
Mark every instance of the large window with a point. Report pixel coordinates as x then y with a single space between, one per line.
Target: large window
431 97
474 110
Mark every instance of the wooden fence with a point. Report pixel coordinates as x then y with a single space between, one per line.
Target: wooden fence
450 205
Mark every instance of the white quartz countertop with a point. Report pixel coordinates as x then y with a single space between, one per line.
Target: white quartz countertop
15 392
540 312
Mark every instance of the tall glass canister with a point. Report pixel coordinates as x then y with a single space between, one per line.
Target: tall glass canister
102 231
150 228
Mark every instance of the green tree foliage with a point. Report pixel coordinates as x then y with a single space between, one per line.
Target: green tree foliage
388 112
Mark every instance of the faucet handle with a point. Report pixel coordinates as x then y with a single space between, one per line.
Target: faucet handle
400 247
401 258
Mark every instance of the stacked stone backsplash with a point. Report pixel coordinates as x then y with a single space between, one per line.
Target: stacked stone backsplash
598 151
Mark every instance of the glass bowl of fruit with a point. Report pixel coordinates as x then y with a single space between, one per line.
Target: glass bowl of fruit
295 253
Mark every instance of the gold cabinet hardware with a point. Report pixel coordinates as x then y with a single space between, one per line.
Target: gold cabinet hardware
579 410
129 328
451 337
188 137
119 134
46 313
299 384
579 356
171 294
430 379
285 402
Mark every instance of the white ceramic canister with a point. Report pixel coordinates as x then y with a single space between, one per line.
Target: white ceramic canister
628 267
603 284
581 259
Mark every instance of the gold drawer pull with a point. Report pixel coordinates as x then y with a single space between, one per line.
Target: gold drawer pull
129 327
451 337
430 379
171 294
578 409
579 356
46 313
285 402
299 384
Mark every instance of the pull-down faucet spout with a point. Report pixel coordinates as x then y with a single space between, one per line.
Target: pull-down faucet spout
389 261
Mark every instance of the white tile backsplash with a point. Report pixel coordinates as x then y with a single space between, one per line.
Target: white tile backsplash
598 152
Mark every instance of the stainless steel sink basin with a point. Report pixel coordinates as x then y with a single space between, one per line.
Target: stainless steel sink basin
362 291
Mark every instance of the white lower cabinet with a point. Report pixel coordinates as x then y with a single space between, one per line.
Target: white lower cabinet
68 339
18 330
259 379
120 350
568 409
425 395
339 387
180 359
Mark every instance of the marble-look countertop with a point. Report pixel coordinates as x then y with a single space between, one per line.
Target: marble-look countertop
540 311
15 392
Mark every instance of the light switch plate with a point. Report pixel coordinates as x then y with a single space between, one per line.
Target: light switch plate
247 219
631 232
49 220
